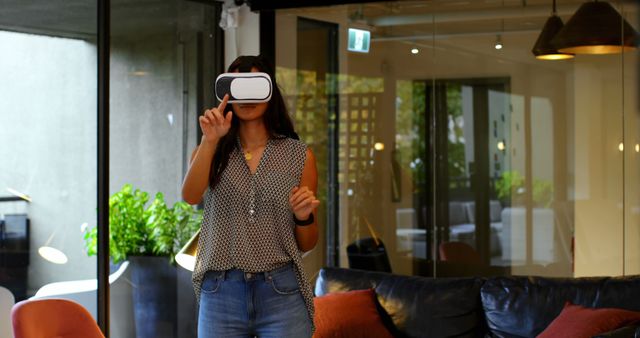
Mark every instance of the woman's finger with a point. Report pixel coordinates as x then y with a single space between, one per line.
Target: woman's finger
301 195
303 203
203 119
209 116
228 118
293 193
223 104
217 116
313 203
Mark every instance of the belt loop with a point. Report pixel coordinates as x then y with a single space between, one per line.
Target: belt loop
223 275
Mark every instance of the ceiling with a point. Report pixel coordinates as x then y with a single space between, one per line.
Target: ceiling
427 17
78 18
387 20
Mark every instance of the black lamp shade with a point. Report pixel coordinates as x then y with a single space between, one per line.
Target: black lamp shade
596 28
543 49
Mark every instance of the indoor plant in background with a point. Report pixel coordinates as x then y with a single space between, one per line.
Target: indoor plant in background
148 235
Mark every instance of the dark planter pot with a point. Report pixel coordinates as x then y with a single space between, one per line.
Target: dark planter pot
154 297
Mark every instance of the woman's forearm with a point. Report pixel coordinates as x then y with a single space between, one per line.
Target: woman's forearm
197 179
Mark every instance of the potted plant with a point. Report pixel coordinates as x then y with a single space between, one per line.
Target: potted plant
148 235
137 230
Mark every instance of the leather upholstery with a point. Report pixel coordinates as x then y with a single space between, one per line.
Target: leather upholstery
524 306
482 307
417 306
624 332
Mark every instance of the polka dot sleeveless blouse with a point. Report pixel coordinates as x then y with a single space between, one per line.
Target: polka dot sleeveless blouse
247 221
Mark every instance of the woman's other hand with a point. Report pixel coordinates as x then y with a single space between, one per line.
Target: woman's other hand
213 123
302 202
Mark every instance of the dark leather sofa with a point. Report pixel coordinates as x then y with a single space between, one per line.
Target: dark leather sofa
505 307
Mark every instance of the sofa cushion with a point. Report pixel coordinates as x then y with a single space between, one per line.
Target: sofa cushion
416 306
350 314
524 306
579 321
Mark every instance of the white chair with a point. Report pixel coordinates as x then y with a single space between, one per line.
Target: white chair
84 292
6 303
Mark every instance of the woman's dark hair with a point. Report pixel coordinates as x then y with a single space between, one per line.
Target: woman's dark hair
276 117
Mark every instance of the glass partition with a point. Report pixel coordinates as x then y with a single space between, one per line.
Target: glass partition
48 151
631 125
161 78
460 153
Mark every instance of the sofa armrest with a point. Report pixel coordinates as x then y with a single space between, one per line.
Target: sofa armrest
623 332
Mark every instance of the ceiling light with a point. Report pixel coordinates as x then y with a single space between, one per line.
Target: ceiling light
415 50
498 45
596 28
543 49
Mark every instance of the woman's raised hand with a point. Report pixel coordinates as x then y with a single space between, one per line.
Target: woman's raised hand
213 123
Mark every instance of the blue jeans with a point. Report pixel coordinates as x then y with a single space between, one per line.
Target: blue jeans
238 304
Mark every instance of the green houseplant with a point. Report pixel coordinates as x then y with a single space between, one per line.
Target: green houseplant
136 229
148 235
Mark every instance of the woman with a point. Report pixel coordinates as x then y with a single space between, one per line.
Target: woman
259 183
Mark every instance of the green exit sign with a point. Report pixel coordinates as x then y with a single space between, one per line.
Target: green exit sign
359 40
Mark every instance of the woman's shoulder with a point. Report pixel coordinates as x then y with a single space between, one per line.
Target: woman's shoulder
290 142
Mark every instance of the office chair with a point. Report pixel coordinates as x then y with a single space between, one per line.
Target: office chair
53 318
368 254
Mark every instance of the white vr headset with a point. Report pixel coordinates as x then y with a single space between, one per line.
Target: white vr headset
244 87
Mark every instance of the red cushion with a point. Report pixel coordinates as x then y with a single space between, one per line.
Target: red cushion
350 314
577 321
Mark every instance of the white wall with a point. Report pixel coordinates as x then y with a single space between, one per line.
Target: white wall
146 116
48 126
599 181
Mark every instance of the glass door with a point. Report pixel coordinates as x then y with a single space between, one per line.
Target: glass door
471 130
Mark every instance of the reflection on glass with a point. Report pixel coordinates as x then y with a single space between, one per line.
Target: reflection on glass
519 159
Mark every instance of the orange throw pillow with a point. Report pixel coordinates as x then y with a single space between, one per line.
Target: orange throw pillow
577 321
350 314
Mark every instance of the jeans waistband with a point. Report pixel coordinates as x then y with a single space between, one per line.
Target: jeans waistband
237 274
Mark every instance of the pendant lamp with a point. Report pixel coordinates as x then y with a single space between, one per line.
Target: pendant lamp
596 28
543 49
